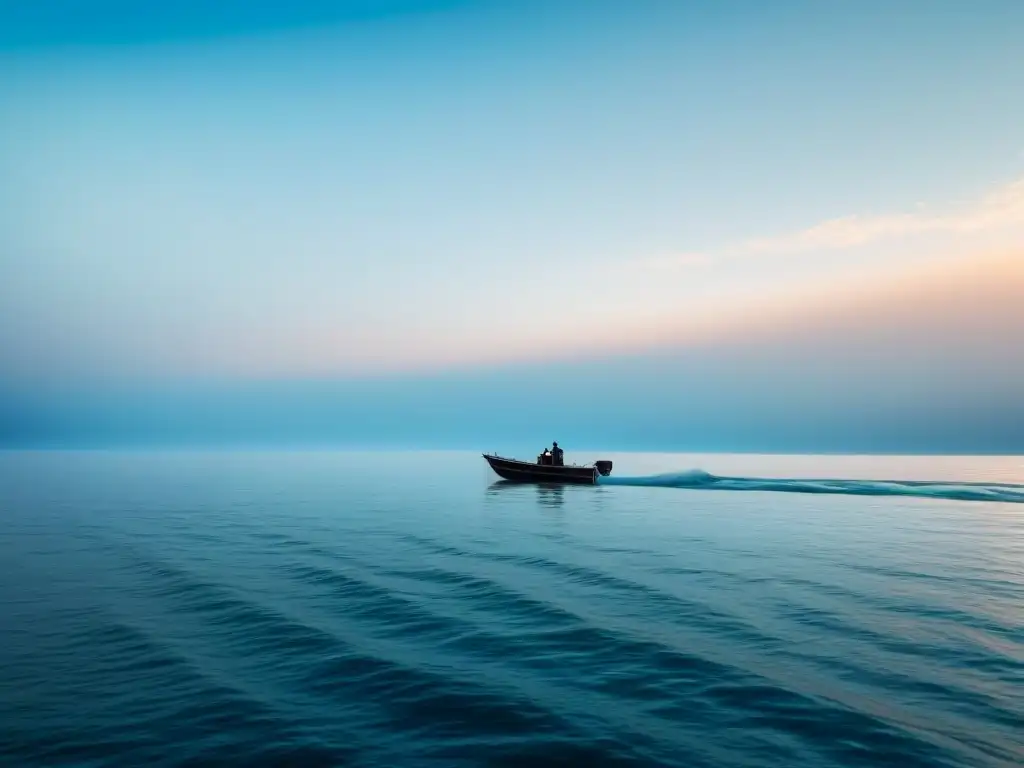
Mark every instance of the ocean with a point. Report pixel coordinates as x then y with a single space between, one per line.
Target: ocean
325 608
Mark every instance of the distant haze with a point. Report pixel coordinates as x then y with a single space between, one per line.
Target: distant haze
695 226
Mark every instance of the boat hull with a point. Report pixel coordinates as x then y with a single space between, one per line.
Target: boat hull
525 472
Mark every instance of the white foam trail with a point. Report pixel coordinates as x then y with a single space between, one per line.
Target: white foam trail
700 480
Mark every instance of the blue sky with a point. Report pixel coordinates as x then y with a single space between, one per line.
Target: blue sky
202 200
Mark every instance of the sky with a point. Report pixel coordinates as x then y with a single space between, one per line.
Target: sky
642 225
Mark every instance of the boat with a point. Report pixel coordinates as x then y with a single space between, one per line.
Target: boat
538 472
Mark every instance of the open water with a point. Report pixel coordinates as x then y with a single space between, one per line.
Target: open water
329 608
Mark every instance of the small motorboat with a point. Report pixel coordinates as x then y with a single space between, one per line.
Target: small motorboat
545 472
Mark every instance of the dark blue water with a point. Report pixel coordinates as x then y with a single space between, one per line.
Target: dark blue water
404 609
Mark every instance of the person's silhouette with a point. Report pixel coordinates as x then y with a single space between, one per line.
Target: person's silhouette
556 455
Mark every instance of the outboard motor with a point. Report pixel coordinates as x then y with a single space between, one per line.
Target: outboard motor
604 467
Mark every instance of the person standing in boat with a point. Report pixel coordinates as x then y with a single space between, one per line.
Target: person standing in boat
556 455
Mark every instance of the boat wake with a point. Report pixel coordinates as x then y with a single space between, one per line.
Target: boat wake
700 480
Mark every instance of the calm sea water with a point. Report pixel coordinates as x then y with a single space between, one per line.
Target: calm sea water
405 609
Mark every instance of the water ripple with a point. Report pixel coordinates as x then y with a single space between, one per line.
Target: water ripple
298 617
